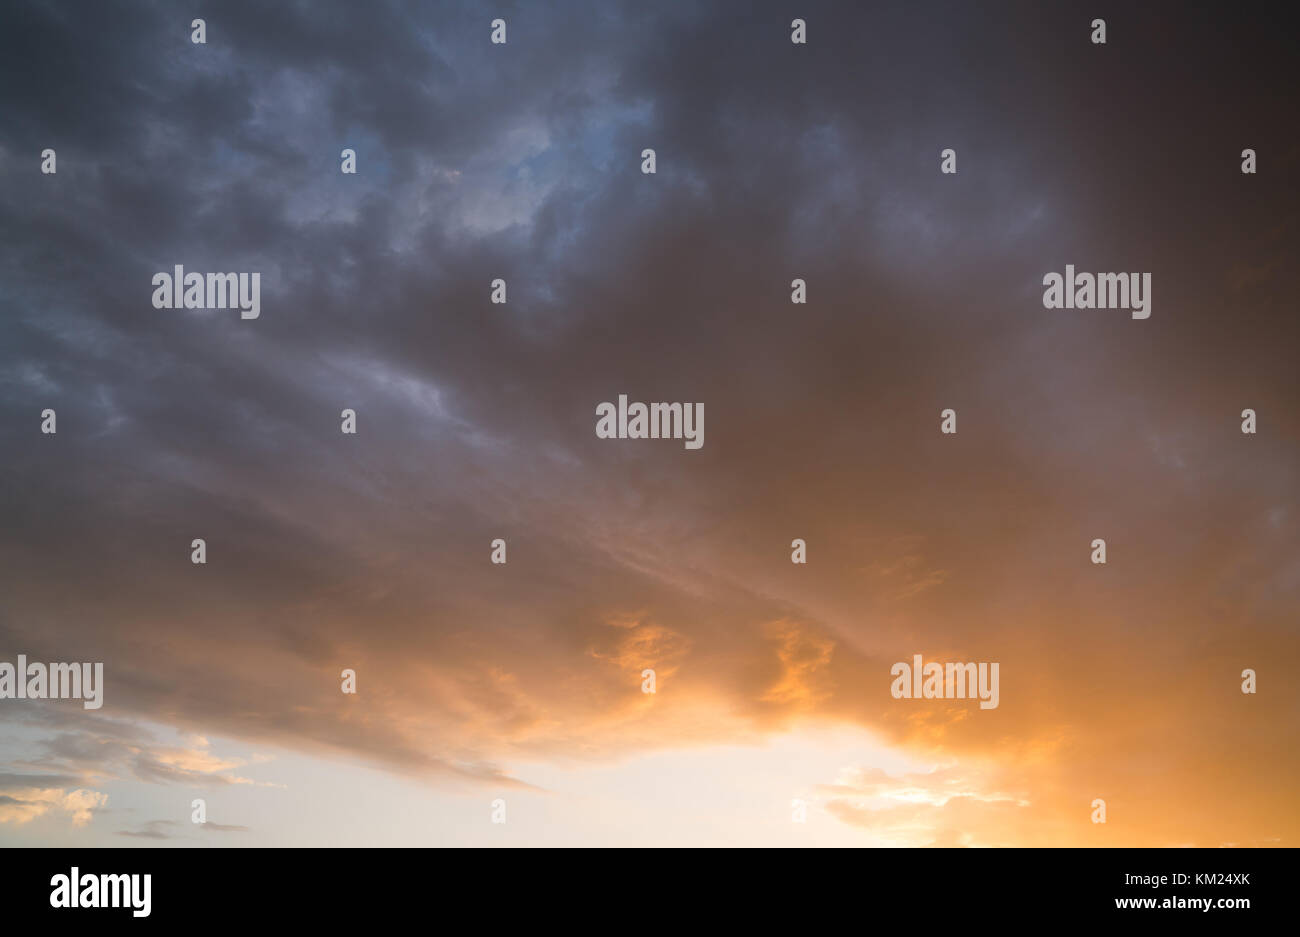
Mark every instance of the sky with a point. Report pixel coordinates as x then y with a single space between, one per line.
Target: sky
521 682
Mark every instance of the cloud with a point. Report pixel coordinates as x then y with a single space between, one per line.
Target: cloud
476 420
25 804
948 806
154 829
89 747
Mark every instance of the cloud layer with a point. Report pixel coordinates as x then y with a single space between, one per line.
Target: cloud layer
476 420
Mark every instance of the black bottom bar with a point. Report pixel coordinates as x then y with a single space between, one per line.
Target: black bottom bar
643 888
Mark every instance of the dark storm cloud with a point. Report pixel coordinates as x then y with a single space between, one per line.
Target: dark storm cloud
476 421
